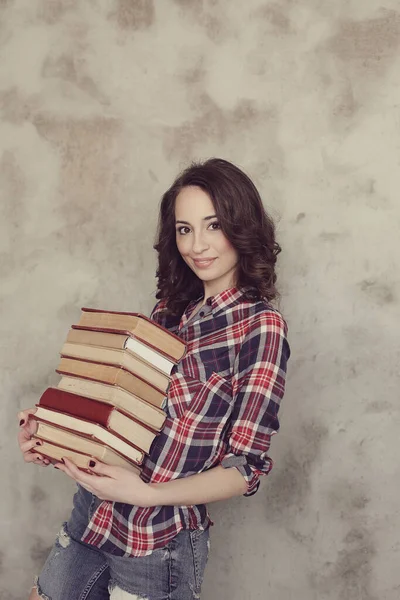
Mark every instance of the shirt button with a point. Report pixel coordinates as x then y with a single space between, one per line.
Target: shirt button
202 313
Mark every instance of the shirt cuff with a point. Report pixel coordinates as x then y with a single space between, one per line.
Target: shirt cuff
240 463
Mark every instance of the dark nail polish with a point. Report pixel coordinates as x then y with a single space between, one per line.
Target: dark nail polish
22 421
56 467
62 460
38 444
92 463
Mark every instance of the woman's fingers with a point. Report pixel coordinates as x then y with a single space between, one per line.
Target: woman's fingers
23 416
37 459
28 427
28 445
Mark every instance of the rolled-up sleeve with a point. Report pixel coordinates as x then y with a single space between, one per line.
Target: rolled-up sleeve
258 386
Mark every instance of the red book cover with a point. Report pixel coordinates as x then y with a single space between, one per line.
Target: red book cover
84 408
77 406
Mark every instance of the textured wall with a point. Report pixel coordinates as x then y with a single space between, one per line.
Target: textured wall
102 102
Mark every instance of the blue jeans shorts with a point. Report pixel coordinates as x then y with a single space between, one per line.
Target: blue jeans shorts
76 571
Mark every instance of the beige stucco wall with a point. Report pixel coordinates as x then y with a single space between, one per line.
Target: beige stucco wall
102 102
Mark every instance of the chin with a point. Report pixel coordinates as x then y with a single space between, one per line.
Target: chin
207 277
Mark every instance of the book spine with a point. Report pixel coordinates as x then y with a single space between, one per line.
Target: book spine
88 409
96 338
91 436
77 406
94 390
82 453
129 334
109 366
138 316
84 466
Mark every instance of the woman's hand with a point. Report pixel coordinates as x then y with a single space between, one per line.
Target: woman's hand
27 427
116 484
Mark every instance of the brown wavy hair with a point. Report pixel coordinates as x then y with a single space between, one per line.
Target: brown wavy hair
243 220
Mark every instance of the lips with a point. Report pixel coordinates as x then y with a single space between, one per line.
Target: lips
203 263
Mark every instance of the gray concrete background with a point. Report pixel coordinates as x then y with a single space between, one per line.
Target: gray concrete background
102 102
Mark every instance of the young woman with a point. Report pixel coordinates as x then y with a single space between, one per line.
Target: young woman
148 537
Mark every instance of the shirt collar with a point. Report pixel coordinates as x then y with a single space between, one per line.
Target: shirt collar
224 299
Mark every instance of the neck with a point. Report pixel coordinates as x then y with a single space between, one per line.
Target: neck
213 288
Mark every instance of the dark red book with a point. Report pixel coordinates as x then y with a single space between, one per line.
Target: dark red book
95 416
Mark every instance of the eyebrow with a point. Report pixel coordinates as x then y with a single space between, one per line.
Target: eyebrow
205 219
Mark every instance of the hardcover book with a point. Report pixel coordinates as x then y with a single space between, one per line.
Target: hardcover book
91 337
96 414
135 324
119 358
112 375
59 442
132 405
95 432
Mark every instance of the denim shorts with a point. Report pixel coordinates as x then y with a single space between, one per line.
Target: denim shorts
77 571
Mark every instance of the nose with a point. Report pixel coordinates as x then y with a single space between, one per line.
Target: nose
200 243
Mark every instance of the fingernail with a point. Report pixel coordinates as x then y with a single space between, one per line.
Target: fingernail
63 461
92 463
22 421
56 467
38 443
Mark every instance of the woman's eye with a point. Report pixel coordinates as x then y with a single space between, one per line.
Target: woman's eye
183 230
215 225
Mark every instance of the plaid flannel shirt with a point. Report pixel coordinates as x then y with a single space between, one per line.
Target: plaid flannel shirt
222 409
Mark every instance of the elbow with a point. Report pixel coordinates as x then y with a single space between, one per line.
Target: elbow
243 486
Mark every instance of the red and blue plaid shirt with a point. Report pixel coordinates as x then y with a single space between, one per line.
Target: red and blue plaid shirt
222 409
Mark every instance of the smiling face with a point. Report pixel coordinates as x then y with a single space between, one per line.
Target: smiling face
201 242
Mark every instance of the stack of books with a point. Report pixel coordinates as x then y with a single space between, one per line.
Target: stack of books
115 371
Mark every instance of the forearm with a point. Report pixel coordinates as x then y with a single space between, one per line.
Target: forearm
212 485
